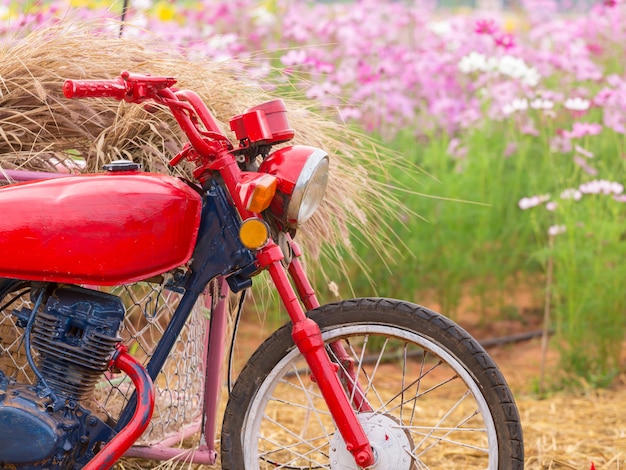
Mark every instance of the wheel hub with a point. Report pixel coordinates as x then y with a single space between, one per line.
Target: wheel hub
391 445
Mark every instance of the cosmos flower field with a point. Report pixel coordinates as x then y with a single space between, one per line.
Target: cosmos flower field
516 119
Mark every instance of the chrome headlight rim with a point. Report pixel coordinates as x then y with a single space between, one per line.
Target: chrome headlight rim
314 173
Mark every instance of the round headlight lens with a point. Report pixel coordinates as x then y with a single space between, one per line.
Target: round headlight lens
309 189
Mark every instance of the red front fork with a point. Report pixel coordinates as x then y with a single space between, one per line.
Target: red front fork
347 373
308 338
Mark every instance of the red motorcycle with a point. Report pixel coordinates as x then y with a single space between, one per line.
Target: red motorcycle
363 383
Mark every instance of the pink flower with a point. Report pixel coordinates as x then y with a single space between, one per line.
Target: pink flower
602 187
350 113
505 41
555 230
294 57
510 149
581 129
583 152
581 162
528 202
456 149
614 119
486 27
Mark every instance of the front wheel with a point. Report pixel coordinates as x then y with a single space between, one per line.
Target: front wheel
434 398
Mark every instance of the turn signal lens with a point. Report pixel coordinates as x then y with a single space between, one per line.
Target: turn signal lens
254 233
262 193
256 191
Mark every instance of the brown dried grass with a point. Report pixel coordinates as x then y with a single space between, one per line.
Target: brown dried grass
39 128
563 431
570 431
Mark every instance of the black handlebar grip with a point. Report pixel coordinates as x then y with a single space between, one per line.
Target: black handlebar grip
115 88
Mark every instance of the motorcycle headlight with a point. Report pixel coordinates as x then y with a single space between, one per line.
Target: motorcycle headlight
302 174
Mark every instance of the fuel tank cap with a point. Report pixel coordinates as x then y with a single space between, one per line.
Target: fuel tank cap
121 165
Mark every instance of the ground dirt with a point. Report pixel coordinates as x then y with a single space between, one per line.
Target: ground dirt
580 430
562 429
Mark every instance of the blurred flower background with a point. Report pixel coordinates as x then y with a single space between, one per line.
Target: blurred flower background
506 124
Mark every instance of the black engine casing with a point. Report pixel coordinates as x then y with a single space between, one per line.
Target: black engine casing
74 337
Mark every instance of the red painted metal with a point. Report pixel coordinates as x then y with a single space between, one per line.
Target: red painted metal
105 229
308 338
123 441
286 164
95 88
347 373
135 88
266 122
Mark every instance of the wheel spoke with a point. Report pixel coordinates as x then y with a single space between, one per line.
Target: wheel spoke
361 368
428 398
279 447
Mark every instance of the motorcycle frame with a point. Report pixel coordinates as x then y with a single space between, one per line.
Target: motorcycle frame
229 264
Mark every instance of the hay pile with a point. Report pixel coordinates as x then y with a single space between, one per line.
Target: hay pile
567 431
41 129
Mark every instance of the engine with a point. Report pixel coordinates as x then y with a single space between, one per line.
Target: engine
73 338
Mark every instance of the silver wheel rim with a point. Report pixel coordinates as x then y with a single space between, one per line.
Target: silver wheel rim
426 439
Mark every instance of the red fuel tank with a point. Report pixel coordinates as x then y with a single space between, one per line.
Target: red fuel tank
101 229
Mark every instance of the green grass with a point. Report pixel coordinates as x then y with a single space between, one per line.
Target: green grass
472 239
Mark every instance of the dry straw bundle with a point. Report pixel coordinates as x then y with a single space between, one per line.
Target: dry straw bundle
40 129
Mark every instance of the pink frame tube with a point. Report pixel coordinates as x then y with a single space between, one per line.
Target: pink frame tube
25 175
214 344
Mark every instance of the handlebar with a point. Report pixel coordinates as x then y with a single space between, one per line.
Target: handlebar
95 88
134 88
186 107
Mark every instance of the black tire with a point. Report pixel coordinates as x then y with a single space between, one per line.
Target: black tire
456 411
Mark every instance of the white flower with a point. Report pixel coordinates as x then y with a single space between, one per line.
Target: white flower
221 42
531 77
517 68
492 63
551 206
140 21
440 28
505 65
617 188
473 62
262 16
516 105
511 66
577 104
142 4
555 230
520 104
539 103
572 193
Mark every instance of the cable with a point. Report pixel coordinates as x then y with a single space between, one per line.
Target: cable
232 342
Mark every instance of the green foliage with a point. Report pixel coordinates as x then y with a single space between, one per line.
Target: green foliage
472 238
